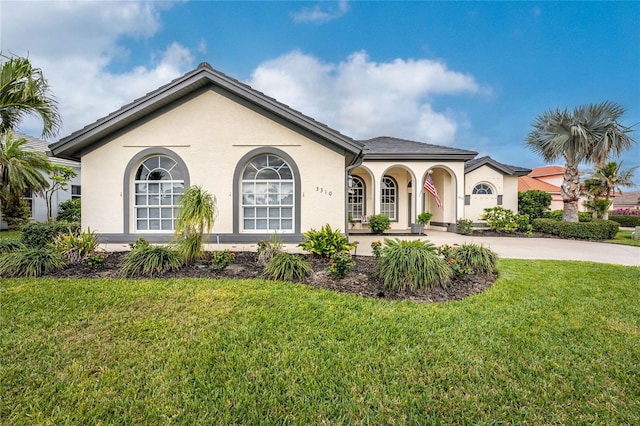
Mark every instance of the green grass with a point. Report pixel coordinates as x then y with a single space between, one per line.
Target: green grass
549 343
12 235
624 237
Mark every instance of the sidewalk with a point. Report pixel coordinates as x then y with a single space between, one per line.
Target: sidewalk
521 248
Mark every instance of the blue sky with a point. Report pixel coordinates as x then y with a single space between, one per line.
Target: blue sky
473 75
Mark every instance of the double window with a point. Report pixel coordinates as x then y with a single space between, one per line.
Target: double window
158 185
267 195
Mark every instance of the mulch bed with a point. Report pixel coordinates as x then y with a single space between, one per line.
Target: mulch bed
362 280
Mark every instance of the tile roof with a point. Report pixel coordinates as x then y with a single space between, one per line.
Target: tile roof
199 79
547 171
506 169
39 145
526 183
390 148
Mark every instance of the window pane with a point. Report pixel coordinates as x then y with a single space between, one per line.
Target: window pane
141 200
286 212
261 212
142 225
249 224
154 213
250 213
261 224
154 225
274 224
287 224
167 224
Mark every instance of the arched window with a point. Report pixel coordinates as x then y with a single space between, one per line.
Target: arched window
389 198
355 202
158 185
267 195
482 189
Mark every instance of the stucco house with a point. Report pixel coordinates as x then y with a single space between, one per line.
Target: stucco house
548 179
37 203
271 168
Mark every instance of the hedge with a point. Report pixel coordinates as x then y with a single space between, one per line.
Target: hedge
595 230
625 219
39 234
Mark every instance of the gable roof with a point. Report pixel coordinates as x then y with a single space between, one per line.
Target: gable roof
506 169
547 171
202 77
389 148
38 145
526 183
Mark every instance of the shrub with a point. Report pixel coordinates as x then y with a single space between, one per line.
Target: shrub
376 248
40 234
625 220
464 226
594 230
268 249
424 218
287 267
413 265
147 260
30 262
533 203
500 219
477 258
70 210
378 223
626 212
97 260
553 214
221 259
341 264
75 247
10 244
190 247
325 242
16 212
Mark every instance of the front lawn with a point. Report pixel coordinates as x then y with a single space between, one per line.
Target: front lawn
624 237
549 343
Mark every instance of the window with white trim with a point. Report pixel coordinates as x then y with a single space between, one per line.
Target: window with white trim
267 195
355 202
482 189
388 198
158 185
75 191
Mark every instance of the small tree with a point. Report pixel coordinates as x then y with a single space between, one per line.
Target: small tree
60 177
533 203
197 215
423 219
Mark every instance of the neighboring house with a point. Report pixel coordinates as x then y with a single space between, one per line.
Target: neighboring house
272 169
36 202
626 200
548 179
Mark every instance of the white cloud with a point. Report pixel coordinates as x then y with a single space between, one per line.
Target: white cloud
321 14
76 43
364 99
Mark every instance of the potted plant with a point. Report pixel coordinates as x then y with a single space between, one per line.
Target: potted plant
423 220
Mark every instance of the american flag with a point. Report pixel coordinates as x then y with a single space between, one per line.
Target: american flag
430 187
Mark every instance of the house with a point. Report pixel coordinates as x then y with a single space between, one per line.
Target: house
626 200
271 168
37 203
548 179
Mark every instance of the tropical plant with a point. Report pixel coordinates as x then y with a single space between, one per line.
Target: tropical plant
221 259
30 262
267 249
147 260
423 219
412 265
75 247
378 223
70 210
16 212
590 133
24 91
604 182
533 203
464 226
340 264
287 267
477 258
60 177
325 242
10 244
197 215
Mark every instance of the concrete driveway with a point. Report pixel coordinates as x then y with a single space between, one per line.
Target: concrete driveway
522 248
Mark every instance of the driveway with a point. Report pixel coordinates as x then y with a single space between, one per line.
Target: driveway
522 248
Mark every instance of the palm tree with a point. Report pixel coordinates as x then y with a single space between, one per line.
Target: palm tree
24 91
197 215
589 134
606 180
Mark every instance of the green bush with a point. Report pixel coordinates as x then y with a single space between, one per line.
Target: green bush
97 260
533 203
500 219
557 215
340 265
70 210
378 223
412 265
147 260
16 212
376 248
30 262
625 220
477 258
268 249
221 259
10 244
464 226
40 234
325 242
594 230
287 267
75 247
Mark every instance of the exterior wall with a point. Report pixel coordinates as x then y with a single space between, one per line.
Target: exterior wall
210 133
478 203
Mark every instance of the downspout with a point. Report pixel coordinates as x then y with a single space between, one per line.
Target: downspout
357 161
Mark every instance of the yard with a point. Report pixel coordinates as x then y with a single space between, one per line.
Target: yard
549 342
